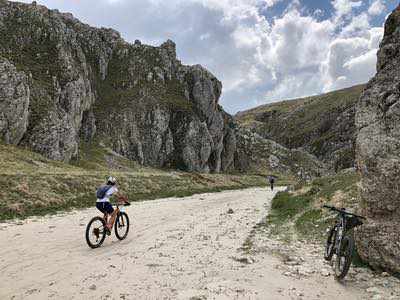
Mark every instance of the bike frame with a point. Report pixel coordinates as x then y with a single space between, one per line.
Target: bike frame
120 210
341 231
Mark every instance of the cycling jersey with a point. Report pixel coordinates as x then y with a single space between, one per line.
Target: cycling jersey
109 193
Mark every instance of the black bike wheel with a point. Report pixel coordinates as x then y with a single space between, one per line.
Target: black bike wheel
122 226
95 232
330 244
344 257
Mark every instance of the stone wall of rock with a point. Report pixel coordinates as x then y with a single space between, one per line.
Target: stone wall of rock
14 102
378 154
322 125
259 154
89 85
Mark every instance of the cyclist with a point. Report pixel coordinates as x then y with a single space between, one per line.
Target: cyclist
103 201
271 180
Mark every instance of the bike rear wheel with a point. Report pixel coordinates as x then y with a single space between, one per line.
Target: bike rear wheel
95 232
330 244
344 257
121 226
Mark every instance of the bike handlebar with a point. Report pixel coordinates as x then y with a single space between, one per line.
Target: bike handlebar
123 204
343 211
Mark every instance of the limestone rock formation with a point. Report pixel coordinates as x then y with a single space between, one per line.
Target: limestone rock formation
89 85
14 102
378 154
322 125
255 152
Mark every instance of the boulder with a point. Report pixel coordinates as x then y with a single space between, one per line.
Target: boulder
378 155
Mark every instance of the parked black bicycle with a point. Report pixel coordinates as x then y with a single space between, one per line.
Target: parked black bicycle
341 241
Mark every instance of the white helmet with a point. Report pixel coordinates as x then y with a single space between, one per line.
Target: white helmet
111 180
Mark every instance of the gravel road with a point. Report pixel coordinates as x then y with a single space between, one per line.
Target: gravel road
177 248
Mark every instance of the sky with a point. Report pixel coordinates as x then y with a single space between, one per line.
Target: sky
261 50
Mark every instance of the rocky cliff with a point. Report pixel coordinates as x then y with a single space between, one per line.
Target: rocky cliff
378 154
64 83
322 125
258 154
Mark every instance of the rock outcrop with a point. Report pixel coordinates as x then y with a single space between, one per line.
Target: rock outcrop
89 84
378 154
14 102
257 153
322 125
73 83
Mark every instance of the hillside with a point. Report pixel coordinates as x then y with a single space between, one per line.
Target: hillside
322 125
72 82
65 83
34 185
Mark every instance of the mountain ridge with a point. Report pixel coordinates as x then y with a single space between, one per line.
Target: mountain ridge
73 84
322 125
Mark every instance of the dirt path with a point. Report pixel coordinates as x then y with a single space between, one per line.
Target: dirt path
177 249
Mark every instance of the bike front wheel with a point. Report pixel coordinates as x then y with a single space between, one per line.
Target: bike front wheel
122 226
344 257
96 232
330 244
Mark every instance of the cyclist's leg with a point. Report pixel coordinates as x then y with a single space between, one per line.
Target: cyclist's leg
112 218
100 207
105 217
111 212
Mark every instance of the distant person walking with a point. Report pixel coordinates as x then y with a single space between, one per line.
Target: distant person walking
271 179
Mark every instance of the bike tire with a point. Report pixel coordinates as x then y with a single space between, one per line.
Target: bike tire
330 244
101 233
122 221
345 253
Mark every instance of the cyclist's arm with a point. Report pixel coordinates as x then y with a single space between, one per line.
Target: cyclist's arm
120 197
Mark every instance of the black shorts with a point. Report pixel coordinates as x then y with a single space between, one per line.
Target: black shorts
105 207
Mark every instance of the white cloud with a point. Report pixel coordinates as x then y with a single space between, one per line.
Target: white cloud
270 3
344 7
376 8
351 60
357 25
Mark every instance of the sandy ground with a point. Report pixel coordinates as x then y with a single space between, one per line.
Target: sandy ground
186 248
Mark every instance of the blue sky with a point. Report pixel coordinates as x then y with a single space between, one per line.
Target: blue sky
261 50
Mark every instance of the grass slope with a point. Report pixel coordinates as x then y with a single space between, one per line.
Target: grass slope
298 213
33 185
323 124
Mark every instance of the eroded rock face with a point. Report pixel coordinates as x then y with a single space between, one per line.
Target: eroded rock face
378 154
14 102
257 153
88 84
322 125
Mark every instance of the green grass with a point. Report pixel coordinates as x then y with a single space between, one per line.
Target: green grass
284 206
312 223
300 211
298 214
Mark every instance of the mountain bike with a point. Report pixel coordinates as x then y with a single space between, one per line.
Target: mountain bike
96 229
340 240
